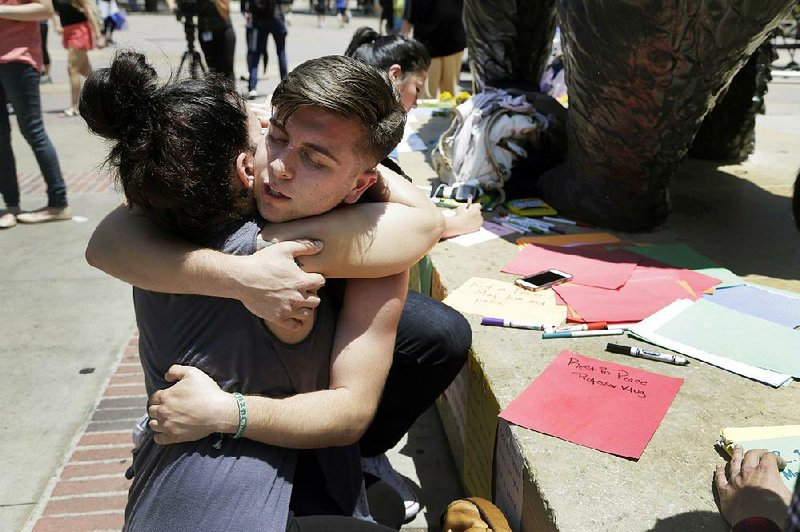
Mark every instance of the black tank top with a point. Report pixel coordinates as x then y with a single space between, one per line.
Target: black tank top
67 13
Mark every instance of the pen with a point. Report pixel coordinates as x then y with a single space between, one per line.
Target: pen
580 334
593 326
644 353
500 322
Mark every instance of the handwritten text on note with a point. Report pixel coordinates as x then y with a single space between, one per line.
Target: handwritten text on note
597 404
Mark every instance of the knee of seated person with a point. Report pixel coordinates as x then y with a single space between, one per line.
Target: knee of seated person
450 337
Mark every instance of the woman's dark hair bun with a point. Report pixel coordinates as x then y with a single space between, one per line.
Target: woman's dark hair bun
362 35
112 98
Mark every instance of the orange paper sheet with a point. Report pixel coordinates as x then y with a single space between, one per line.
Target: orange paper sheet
578 239
602 405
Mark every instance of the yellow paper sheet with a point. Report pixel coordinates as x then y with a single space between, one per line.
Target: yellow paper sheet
733 435
499 299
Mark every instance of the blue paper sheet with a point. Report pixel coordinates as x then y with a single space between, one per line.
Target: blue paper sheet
764 304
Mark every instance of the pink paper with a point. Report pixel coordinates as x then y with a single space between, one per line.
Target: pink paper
647 291
698 281
600 268
602 405
497 229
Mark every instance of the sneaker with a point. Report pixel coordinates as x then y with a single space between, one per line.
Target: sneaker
70 112
379 466
45 214
8 218
252 95
45 79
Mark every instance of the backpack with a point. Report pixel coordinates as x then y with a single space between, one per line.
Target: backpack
489 133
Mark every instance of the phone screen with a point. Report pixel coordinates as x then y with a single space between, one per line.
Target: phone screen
544 278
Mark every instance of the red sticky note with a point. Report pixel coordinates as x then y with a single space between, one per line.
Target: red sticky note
601 268
602 405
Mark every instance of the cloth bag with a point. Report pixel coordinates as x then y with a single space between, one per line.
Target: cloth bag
473 514
489 133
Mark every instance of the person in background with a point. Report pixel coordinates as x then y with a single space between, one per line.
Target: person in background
216 35
407 61
752 495
342 13
20 67
248 32
80 31
265 17
46 68
108 8
319 9
438 25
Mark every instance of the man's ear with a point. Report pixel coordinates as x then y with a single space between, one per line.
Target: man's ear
395 72
362 182
244 171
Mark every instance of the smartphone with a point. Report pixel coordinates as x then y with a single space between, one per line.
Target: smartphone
542 280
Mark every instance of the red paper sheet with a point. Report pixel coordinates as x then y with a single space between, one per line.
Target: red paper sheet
602 405
604 269
647 291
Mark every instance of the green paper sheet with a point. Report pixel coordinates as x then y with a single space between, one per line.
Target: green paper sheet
682 256
736 336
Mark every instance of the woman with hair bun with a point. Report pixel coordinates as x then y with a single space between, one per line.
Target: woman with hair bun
405 60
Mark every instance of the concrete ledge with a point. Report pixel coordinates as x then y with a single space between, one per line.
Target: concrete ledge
736 215
544 483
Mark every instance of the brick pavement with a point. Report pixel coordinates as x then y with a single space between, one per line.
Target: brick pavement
90 490
77 182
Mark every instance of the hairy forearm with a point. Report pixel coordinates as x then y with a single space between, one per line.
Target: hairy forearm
134 250
27 12
361 241
325 418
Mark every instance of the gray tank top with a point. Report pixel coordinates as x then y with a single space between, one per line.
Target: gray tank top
242 484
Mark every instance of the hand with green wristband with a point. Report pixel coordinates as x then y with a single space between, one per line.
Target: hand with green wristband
177 415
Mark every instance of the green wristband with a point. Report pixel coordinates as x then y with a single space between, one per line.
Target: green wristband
242 414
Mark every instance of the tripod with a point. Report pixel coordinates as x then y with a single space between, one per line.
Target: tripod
195 62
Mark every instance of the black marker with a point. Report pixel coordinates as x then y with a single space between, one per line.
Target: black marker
643 353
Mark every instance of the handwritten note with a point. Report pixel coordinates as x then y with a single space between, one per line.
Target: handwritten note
499 299
602 405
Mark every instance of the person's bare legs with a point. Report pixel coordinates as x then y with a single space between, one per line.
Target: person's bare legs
451 72
434 79
77 66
